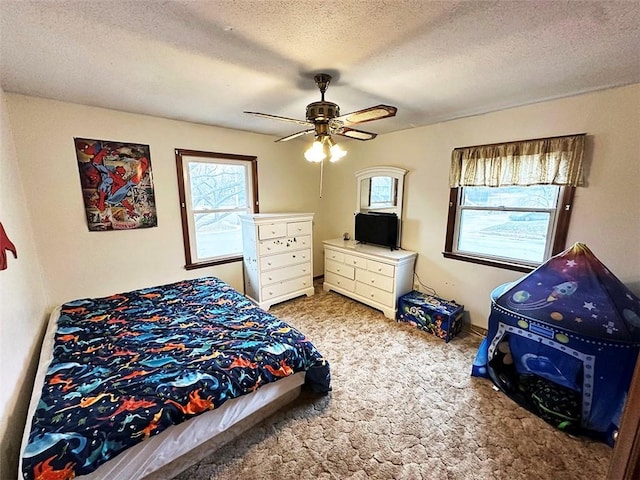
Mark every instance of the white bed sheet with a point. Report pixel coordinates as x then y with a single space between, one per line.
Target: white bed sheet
166 448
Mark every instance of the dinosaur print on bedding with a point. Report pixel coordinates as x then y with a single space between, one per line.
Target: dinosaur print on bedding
128 366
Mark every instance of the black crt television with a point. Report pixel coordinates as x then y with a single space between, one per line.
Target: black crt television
377 228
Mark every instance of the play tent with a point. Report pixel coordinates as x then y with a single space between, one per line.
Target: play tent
563 342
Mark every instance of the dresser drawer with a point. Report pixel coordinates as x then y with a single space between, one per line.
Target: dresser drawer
355 261
276 245
298 228
339 281
374 280
279 245
272 230
333 255
278 289
300 242
285 273
374 294
339 269
285 259
381 268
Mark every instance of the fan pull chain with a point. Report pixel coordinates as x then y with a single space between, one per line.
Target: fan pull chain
321 174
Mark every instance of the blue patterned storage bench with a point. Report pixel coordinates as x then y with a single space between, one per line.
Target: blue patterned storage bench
441 317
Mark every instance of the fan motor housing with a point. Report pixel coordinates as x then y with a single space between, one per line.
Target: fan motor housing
318 111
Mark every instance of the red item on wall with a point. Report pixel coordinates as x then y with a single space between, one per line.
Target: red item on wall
5 244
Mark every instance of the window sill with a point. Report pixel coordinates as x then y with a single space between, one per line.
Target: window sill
212 263
490 263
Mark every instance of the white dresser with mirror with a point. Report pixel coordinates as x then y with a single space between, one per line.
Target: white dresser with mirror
374 275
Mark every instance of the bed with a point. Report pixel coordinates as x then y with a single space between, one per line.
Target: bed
128 384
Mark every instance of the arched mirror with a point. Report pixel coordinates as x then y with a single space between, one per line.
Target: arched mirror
380 189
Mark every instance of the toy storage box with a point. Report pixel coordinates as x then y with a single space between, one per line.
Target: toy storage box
432 314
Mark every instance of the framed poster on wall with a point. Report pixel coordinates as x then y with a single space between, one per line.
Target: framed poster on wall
117 186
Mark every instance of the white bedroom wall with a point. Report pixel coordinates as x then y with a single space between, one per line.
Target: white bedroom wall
78 263
606 214
22 303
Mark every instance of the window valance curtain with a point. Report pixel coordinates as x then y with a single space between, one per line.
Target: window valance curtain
545 161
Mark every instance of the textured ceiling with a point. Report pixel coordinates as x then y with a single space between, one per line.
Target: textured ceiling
208 61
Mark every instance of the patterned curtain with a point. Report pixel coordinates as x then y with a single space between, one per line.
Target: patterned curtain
546 161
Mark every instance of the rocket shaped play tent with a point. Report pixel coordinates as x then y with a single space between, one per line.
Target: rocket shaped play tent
563 342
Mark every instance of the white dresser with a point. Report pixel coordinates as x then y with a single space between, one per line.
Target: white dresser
376 276
278 256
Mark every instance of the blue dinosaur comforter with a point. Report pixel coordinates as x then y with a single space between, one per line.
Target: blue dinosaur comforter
128 366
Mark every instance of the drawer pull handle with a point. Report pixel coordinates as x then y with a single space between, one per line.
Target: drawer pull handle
379 269
373 281
269 263
294 256
372 295
270 278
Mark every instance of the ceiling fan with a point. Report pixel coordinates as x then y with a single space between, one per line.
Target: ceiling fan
324 119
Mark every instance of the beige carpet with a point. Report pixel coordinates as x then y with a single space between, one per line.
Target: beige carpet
403 406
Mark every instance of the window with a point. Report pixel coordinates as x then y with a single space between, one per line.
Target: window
214 189
510 204
509 226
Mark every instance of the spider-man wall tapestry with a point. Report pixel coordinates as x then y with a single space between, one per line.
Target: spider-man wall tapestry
117 186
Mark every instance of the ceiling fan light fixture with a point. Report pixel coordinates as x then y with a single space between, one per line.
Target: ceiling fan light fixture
336 150
316 153
323 119
322 147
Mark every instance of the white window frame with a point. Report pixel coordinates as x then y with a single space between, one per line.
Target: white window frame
184 158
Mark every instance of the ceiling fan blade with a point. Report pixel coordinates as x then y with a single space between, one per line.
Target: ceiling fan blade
285 119
296 135
357 134
367 114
